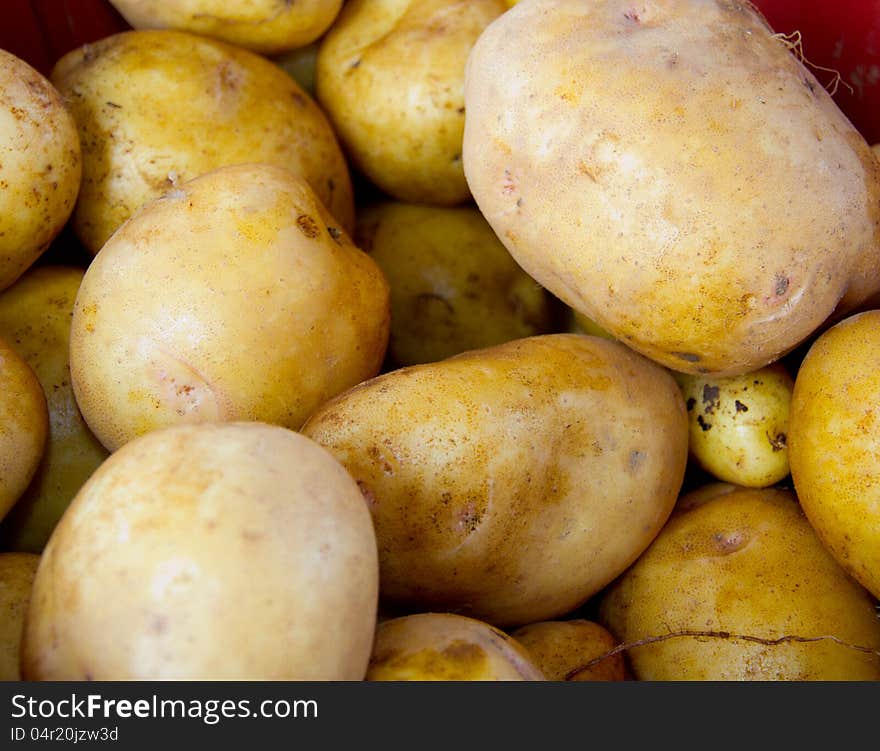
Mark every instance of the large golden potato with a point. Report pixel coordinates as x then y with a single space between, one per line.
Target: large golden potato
390 75
447 647
512 483
834 443
752 594
670 170
223 551
234 297
454 286
24 423
40 166
17 571
266 26
35 316
157 108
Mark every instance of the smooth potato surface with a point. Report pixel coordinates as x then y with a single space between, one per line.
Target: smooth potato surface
447 647
748 564
673 172
226 551
512 483
234 297
157 108
390 74
454 286
835 443
35 316
40 166
265 26
24 423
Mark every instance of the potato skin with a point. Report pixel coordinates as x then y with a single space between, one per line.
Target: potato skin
390 75
236 551
447 647
745 562
454 286
155 109
834 443
17 571
560 648
674 173
234 297
24 423
35 315
491 472
264 26
739 424
40 166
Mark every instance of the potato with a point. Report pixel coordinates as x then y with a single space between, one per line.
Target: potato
454 286
155 109
24 423
40 166
266 26
739 424
237 551
35 318
671 171
17 572
834 443
561 649
447 647
512 483
234 297
746 576
390 75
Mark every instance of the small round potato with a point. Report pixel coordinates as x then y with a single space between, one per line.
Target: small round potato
739 587
40 166
454 286
739 424
562 649
35 315
265 26
447 647
390 75
155 109
233 297
233 551
24 423
512 483
17 571
834 436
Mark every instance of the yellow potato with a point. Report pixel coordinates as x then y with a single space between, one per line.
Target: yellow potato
35 318
17 571
454 286
40 166
512 483
447 647
562 649
834 443
24 423
674 173
234 297
155 109
266 26
390 75
237 551
739 424
739 587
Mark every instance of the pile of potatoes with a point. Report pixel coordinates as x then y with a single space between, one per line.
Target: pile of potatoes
437 340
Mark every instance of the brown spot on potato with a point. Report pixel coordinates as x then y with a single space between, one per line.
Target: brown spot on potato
740 407
778 442
691 403
726 543
711 397
308 226
782 283
687 356
703 424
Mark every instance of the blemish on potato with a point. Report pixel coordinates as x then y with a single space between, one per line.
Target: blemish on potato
307 225
778 442
740 407
704 426
729 542
711 396
687 356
